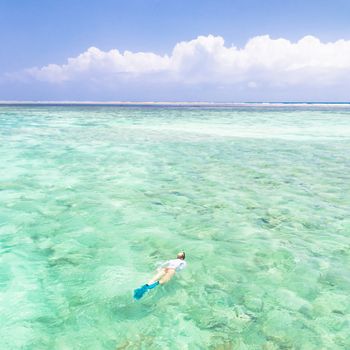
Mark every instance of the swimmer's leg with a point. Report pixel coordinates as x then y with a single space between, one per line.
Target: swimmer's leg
167 277
157 277
139 292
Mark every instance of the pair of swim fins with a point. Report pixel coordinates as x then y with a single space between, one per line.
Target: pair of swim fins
139 292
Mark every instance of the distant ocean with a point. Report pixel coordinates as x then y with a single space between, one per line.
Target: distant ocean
92 197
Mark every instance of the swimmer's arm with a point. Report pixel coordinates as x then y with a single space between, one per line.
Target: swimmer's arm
182 266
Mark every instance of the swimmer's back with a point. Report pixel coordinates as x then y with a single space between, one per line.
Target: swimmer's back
176 264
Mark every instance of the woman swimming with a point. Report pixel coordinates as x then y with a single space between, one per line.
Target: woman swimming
165 273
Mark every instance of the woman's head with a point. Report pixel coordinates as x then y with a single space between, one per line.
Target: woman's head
181 255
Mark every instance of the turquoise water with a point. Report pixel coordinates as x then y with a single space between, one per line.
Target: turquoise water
92 198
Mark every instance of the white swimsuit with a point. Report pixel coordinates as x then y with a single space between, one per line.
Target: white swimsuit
177 264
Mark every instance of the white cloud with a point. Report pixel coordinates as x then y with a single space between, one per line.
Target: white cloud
206 60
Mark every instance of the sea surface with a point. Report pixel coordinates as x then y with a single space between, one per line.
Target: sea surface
92 198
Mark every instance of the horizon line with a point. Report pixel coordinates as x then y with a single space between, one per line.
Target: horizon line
172 103
166 102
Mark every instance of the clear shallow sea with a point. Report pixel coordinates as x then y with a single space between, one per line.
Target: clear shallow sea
92 198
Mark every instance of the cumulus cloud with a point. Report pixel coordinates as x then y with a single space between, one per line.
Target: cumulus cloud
207 60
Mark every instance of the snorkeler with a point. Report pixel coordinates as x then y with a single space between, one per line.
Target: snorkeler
165 273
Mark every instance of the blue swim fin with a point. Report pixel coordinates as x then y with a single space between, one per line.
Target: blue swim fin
139 292
153 285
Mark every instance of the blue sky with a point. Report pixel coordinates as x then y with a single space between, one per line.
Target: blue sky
36 33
